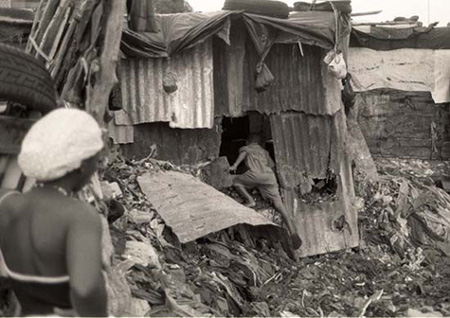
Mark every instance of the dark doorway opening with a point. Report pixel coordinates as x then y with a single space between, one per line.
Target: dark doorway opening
235 132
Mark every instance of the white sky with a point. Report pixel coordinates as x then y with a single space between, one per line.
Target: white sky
439 10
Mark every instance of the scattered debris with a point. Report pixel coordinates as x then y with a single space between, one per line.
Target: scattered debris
319 190
230 273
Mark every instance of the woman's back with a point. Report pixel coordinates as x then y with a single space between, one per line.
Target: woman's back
52 243
35 230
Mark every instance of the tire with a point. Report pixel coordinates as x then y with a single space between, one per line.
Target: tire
342 5
302 6
24 80
276 9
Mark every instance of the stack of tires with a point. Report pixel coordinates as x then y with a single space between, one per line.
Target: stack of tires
275 9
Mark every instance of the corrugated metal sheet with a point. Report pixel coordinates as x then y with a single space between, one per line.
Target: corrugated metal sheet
121 134
144 98
299 82
303 145
306 147
302 83
180 146
194 209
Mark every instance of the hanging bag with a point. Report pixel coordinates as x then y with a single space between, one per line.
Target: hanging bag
335 59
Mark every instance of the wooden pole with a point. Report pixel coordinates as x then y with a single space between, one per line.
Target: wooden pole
106 76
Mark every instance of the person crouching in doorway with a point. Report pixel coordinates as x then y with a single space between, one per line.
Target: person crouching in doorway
260 175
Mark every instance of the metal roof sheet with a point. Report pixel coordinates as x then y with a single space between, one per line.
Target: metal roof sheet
190 106
302 82
194 209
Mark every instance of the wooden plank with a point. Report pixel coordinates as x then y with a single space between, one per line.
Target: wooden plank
12 132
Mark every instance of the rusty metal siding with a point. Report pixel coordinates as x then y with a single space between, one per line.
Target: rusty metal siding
144 98
180 146
300 81
307 147
121 134
303 144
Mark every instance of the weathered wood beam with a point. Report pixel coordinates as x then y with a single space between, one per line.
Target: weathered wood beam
106 76
57 23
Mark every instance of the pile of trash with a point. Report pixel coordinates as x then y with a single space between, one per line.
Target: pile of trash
218 275
395 272
424 170
400 269
406 211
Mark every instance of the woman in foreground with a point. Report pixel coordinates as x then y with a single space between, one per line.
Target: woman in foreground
50 243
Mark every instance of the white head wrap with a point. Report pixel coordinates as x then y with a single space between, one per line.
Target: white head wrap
58 143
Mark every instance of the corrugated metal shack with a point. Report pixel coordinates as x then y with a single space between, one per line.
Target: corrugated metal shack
402 79
300 113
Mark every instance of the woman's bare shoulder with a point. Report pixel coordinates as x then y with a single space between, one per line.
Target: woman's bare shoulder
80 208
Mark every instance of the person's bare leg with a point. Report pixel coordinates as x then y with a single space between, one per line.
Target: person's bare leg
279 206
243 191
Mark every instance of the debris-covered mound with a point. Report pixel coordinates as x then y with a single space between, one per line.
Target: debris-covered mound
401 267
230 273
212 276
405 211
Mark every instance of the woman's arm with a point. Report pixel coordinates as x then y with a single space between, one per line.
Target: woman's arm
84 263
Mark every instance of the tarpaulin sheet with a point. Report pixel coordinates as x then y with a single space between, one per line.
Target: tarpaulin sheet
312 28
329 30
415 70
177 32
441 92
385 39
181 31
